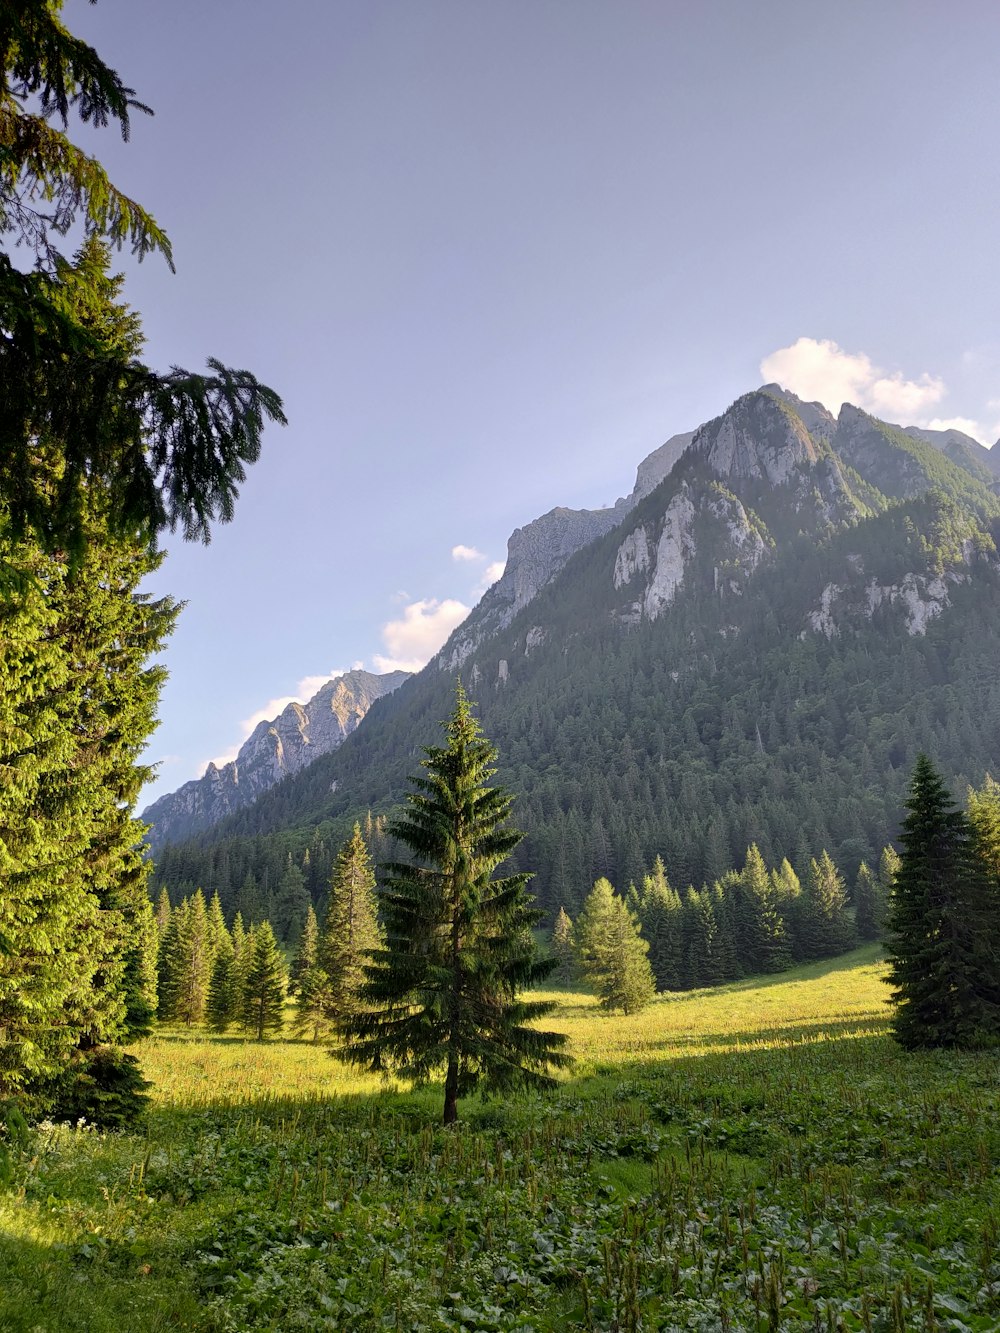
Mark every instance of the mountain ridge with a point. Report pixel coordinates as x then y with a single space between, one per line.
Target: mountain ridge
761 664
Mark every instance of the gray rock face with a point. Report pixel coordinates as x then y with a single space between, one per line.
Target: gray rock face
536 553
273 750
658 465
756 440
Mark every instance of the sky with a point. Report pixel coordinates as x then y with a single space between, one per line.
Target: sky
493 254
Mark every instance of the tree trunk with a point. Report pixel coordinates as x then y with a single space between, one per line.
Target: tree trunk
451 1091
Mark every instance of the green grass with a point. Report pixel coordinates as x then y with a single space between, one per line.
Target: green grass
759 1157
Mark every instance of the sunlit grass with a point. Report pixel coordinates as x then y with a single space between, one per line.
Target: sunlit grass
753 1157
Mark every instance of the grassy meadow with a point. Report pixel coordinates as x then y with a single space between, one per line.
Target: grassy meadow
758 1157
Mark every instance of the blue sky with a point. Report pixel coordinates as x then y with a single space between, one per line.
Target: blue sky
493 254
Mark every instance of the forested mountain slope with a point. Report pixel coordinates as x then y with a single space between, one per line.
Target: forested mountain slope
755 653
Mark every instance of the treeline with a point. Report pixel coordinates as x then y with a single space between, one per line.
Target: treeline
750 921
654 938
206 972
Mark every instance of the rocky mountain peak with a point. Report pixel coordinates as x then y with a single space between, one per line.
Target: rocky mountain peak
275 748
758 438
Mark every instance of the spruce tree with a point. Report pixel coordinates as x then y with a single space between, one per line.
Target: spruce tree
766 944
221 1006
264 984
307 950
444 991
868 906
660 913
164 449
934 924
563 947
291 905
612 953
828 929
350 933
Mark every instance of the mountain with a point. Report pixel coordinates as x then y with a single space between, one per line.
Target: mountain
753 650
536 553
274 750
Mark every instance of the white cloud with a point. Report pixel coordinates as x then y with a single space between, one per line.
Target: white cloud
466 553
895 397
965 424
304 691
493 571
820 369
414 639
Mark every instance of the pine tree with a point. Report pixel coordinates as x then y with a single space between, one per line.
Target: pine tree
310 984
307 952
444 991
562 947
767 947
291 905
218 935
612 953
221 1005
264 984
185 962
660 913
162 912
868 906
828 929
935 924
984 826
350 933
77 704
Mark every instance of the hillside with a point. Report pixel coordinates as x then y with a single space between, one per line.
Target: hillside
756 652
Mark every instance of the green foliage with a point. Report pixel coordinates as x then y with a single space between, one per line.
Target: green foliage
185 962
103 1086
940 926
350 934
263 984
611 951
719 1173
827 928
307 950
660 915
163 449
222 1005
444 992
563 947
77 705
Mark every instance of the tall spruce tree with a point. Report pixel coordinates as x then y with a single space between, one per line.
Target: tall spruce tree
828 928
935 924
562 947
222 1002
264 984
350 933
444 992
307 950
77 705
612 953
660 913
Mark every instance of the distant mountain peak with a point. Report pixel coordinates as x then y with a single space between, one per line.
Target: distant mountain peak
275 748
